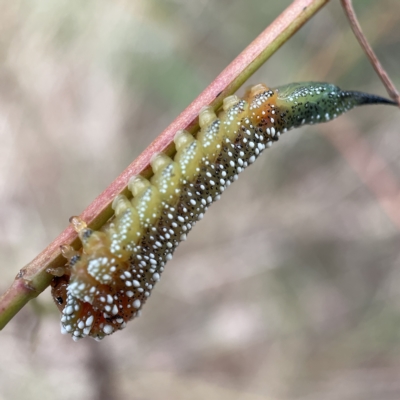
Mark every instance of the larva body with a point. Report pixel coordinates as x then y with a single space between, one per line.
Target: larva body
107 283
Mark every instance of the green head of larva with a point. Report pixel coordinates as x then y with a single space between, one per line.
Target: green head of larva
315 102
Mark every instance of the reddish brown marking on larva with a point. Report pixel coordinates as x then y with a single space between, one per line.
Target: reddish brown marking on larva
108 281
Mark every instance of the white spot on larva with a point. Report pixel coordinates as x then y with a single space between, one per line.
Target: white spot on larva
137 303
156 276
86 331
108 329
89 321
68 310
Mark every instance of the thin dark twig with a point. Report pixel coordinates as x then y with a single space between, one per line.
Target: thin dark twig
355 26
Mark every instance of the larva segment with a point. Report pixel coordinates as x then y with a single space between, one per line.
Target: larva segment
166 178
315 102
147 200
210 135
124 230
189 155
108 281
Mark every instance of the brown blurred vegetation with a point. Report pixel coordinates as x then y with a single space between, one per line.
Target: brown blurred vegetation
289 288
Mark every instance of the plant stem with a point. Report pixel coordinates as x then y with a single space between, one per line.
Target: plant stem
355 26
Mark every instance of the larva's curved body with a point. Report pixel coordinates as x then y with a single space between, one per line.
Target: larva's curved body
110 279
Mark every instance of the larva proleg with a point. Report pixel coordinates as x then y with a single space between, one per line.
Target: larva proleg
108 281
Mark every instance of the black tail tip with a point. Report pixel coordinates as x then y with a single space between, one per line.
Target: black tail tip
366 98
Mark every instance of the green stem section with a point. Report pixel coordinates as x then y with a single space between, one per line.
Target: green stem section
33 278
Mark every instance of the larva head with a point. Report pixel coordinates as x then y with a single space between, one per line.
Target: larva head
315 102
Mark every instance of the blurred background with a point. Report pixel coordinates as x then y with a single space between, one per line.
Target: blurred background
289 288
